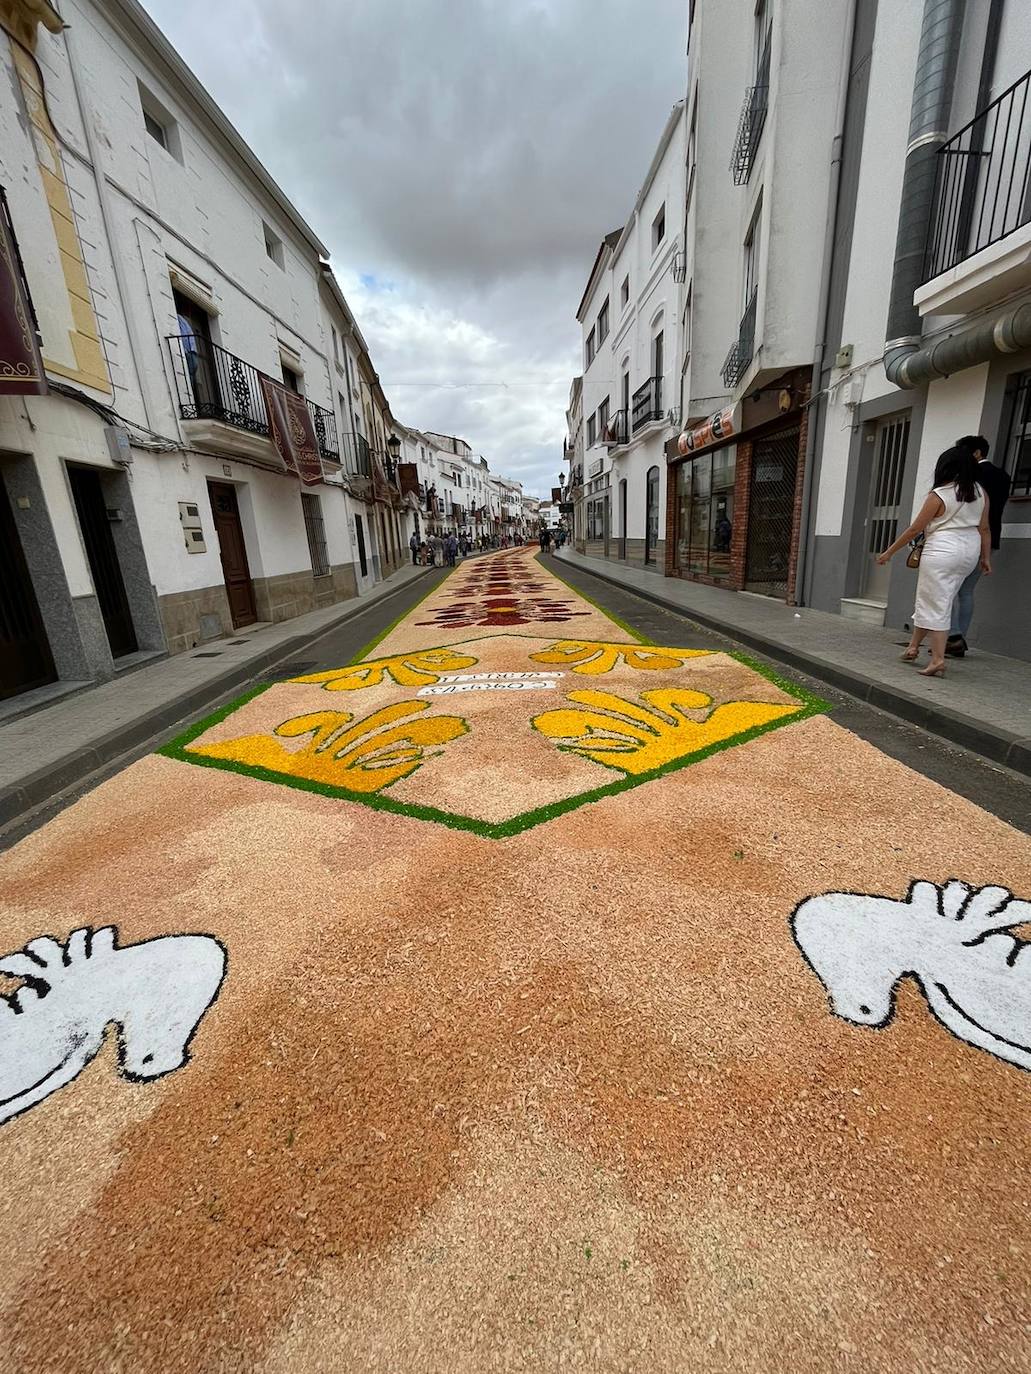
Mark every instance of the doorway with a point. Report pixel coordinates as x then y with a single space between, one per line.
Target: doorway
25 658
891 442
95 524
363 560
198 353
651 517
235 569
622 519
771 505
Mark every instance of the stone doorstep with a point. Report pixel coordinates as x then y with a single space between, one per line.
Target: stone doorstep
33 789
993 742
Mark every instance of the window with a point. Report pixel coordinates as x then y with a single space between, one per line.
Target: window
343 406
292 380
658 361
1016 435
274 249
591 349
596 518
160 123
336 344
316 531
603 418
659 227
603 322
625 393
592 429
752 247
156 130
624 293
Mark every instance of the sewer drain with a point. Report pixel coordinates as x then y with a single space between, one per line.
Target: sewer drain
211 653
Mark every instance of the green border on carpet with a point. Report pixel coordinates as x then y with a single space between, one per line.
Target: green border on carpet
591 602
497 830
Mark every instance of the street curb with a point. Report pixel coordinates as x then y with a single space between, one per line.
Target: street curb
41 786
1001 746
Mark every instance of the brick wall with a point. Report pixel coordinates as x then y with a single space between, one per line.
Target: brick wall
796 513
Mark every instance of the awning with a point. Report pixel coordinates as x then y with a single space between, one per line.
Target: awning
714 430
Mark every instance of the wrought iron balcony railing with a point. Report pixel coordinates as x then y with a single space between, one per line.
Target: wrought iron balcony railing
742 350
647 403
615 431
214 384
753 118
982 190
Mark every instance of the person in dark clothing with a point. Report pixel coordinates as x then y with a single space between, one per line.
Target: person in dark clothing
413 544
995 483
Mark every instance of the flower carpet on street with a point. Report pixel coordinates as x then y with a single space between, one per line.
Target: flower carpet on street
519 996
497 732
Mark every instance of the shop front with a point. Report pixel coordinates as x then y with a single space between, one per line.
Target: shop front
734 491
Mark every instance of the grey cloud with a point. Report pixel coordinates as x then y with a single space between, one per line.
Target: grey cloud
472 152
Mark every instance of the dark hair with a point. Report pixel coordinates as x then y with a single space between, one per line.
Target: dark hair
957 467
976 443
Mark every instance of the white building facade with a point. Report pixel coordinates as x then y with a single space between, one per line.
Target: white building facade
209 446
629 317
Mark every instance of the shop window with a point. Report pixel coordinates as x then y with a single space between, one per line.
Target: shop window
705 513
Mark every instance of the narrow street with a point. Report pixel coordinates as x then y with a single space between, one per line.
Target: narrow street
544 984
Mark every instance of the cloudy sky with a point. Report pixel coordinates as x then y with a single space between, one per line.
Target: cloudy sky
461 159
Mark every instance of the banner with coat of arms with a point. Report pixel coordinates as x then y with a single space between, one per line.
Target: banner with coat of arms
292 432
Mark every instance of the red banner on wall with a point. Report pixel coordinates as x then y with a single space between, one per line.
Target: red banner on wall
21 367
292 432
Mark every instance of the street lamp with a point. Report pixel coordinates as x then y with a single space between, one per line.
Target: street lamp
394 445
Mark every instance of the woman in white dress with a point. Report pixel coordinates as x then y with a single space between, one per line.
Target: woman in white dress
954 523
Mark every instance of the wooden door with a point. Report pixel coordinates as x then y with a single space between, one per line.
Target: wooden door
235 570
25 659
91 508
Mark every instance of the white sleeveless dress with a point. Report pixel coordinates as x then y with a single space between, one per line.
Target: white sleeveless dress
952 548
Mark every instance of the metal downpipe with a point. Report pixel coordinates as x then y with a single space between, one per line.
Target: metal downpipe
933 82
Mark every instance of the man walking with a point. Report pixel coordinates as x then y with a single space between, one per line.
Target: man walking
413 544
995 483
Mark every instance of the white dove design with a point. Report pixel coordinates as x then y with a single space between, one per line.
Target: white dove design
956 941
155 992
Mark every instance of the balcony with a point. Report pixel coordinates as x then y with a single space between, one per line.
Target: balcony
215 385
615 431
979 236
753 118
646 405
742 350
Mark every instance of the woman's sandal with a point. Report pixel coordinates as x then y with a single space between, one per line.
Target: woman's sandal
933 670
910 656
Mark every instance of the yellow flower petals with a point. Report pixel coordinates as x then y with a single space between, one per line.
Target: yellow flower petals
638 738
586 656
419 669
361 756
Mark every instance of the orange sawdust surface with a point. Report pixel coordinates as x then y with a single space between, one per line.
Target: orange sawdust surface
567 1098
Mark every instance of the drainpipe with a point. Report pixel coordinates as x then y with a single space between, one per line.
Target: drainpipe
933 83
823 308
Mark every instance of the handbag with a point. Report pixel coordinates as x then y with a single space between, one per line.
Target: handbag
916 548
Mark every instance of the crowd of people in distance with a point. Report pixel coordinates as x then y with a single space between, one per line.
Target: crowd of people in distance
444 550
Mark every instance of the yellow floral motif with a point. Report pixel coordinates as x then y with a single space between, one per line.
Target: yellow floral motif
417 669
584 656
359 756
637 739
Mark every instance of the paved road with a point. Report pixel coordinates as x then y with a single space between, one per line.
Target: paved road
521 997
